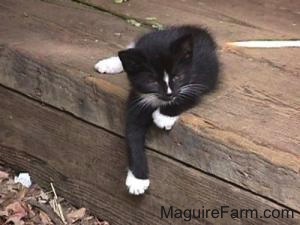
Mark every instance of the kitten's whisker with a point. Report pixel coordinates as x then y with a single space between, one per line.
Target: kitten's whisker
193 90
188 96
138 104
144 101
139 98
194 85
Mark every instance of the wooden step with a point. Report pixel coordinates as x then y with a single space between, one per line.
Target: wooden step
88 167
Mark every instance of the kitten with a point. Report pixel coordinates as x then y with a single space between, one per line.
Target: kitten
169 71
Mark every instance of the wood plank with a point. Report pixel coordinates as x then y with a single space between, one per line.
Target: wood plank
88 167
246 132
254 15
229 21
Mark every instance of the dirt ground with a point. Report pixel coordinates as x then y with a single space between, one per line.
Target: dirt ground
20 205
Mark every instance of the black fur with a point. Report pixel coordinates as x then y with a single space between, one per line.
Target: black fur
188 55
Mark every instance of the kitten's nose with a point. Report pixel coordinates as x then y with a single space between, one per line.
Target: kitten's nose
169 95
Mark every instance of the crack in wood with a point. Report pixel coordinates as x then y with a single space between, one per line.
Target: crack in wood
124 17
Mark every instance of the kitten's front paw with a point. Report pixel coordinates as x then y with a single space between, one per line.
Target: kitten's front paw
109 65
163 121
136 186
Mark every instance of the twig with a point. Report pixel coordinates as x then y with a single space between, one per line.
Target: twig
47 209
56 206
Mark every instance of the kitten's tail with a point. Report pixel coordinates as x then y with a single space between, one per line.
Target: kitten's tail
266 44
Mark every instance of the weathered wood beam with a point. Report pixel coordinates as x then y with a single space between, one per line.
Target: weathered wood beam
88 166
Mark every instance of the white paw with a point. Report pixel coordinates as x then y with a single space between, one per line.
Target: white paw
136 186
109 65
130 45
163 121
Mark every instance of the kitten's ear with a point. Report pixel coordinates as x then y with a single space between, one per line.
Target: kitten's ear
133 60
182 46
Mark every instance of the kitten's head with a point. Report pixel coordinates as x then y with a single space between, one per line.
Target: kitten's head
160 77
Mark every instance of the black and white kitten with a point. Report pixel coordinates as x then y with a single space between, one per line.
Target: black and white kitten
168 71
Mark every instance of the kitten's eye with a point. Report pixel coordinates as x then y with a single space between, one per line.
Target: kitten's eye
178 77
187 55
150 80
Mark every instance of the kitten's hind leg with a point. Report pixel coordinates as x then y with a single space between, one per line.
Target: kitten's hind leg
110 65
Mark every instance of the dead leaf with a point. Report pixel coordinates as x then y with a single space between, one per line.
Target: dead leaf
104 223
16 207
43 197
101 223
22 193
15 219
3 213
88 218
30 212
45 218
76 215
16 212
3 175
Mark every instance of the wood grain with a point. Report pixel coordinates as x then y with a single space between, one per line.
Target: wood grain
88 167
247 132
